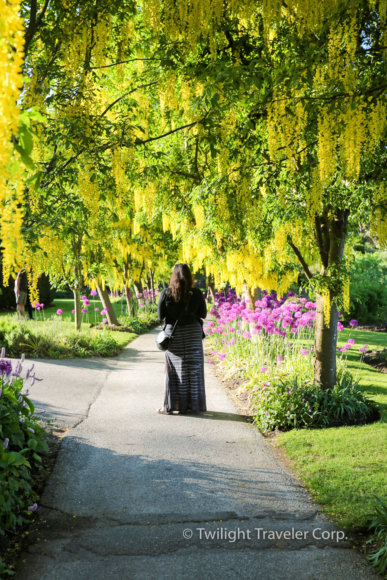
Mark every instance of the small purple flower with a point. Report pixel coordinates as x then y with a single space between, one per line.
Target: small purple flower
84 310
104 320
303 400
33 508
263 369
310 410
22 419
84 297
5 367
93 292
5 444
340 326
353 323
96 309
280 358
351 341
73 311
59 311
303 352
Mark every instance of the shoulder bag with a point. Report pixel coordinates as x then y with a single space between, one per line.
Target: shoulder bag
163 339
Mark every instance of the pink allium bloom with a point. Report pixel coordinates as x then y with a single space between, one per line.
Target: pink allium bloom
33 508
96 309
280 358
84 297
93 292
84 310
351 341
211 362
59 311
340 326
73 311
263 369
86 302
310 410
303 351
303 300
104 320
353 323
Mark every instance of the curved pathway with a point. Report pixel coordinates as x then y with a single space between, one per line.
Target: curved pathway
137 495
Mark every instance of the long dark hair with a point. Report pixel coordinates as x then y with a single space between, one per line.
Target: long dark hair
181 283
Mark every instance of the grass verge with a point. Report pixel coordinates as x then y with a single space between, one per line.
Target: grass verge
344 468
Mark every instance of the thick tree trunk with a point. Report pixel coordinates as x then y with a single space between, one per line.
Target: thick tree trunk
104 297
331 232
325 341
77 308
138 287
257 295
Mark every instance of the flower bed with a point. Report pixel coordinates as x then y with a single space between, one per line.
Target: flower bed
22 441
271 346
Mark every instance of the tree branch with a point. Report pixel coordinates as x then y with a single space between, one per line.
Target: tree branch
297 252
126 94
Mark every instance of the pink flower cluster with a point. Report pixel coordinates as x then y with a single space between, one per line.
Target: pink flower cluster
270 315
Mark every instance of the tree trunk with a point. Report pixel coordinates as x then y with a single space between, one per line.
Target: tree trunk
257 295
247 296
138 287
325 341
211 288
330 232
77 307
151 282
104 297
128 300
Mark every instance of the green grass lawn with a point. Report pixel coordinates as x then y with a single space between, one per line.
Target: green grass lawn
344 468
67 305
54 336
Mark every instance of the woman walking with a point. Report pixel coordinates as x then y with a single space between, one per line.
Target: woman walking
184 382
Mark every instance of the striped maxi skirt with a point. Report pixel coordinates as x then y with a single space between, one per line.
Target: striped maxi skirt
184 366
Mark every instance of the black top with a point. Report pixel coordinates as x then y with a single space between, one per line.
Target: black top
23 282
168 310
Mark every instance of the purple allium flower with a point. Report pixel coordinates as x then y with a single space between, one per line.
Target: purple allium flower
351 341
310 410
104 320
33 508
353 323
280 358
303 400
73 311
59 311
96 309
340 326
263 369
84 298
5 367
5 444
303 351
93 292
84 310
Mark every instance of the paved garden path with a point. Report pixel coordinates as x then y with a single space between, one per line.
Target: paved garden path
136 495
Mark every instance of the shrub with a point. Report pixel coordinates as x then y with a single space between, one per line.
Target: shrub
22 441
291 404
379 526
54 340
368 290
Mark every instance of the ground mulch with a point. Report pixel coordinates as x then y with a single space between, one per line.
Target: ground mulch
377 359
